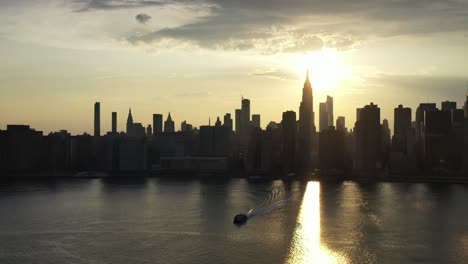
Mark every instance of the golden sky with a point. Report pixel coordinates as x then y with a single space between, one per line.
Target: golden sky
196 59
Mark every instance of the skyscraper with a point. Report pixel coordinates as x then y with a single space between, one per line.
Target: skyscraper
129 121
114 122
149 130
97 119
368 135
238 117
218 122
183 126
227 121
341 123
447 105
169 124
256 120
401 126
157 123
306 126
245 112
288 144
330 111
323 117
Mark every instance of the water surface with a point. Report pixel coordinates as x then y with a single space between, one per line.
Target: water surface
169 221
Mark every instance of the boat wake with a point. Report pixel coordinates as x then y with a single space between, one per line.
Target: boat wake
275 200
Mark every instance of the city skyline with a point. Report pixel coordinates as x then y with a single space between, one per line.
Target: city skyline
161 56
109 118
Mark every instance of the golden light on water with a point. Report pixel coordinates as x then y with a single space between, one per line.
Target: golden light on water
306 246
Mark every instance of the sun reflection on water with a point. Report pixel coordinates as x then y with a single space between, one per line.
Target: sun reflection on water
306 246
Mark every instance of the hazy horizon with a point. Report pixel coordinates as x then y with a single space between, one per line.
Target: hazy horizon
196 59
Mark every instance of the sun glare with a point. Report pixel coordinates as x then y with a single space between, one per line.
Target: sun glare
326 69
306 245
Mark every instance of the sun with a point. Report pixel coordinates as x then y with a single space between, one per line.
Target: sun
326 68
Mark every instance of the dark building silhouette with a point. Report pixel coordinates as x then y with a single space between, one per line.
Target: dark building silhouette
82 153
132 154
114 122
97 119
420 117
323 117
218 122
306 126
169 124
157 123
134 129
245 119
57 152
256 120
21 149
129 121
386 135
368 141
238 116
332 153
288 143
330 110
401 126
149 130
214 141
227 121
447 105
341 123
436 141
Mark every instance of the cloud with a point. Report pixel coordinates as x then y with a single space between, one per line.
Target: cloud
276 74
90 5
306 25
142 18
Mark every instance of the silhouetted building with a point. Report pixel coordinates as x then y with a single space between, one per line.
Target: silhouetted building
386 133
332 153
272 125
238 120
149 130
21 149
340 123
447 105
97 119
183 126
420 117
57 151
82 153
401 126
288 143
114 122
306 127
368 141
137 130
436 141
245 113
323 117
129 121
157 123
169 124
256 121
132 155
214 141
330 111
227 121
218 122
